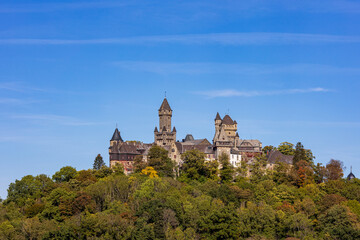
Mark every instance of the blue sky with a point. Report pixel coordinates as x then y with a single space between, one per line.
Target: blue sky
286 70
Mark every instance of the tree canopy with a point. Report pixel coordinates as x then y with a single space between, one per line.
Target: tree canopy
208 200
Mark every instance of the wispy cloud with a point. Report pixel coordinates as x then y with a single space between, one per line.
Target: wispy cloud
237 93
58 119
60 6
259 38
234 68
194 6
16 101
18 87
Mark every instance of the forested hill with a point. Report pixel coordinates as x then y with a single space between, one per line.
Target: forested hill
198 201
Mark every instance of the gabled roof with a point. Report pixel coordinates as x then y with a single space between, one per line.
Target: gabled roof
227 120
276 156
165 105
217 116
116 136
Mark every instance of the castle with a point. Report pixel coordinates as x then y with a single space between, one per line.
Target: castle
226 140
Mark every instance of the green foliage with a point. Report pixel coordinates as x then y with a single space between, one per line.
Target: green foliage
65 174
98 162
227 170
339 223
106 204
194 167
159 160
286 148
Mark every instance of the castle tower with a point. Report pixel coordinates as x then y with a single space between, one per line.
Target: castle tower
165 114
115 143
164 136
116 138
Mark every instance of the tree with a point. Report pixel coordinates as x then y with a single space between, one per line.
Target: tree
268 148
194 167
98 162
319 173
65 174
339 223
334 170
139 163
299 153
227 170
286 148
158 159
150 171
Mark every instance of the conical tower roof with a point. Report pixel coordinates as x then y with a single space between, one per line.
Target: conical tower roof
217 117
116 136
165 105
351 175
227 120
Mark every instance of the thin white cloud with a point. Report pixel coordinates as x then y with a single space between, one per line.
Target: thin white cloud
60 6
234 68
58 119
237 93
195 7
18 87
259 38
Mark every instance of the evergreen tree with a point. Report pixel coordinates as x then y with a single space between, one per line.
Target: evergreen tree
98 162
299 154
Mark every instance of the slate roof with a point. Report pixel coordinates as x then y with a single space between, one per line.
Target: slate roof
165 105
116 136
217 117
128 148
208 149
276 156
189 137
351 175
227 120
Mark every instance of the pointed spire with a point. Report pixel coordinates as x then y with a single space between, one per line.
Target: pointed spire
237 134
174 129
164 129
156 130
217 116
116 136
165 105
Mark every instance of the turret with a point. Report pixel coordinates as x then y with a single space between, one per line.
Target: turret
165 136
351 175
165 114
116 137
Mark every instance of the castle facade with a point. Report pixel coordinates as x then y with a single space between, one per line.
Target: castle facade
226 140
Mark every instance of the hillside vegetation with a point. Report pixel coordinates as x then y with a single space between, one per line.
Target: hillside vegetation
199 201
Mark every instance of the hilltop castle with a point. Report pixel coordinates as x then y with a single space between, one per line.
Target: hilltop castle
226 140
